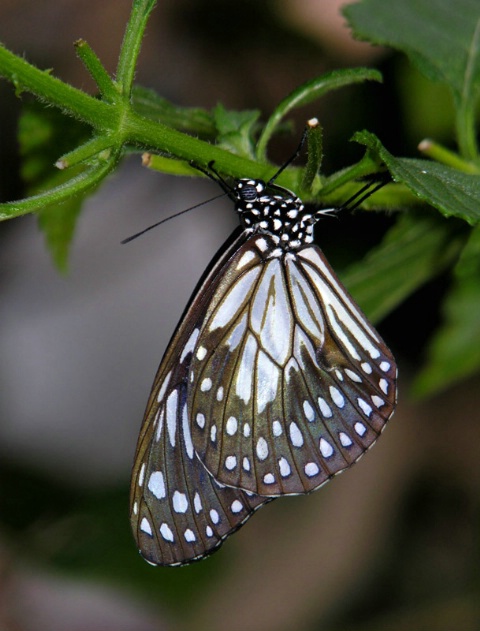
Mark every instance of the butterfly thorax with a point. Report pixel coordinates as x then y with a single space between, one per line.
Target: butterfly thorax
282 215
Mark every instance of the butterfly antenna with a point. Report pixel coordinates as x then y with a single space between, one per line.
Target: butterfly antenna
363 193
158 223
356 199
215 176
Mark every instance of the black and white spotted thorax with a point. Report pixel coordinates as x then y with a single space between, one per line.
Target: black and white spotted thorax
282 216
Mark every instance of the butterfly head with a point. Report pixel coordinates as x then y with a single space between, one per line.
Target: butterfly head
281 214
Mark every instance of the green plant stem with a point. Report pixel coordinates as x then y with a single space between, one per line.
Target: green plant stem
308 92
85 152
47 88
150 134
131 44
94 66
443 155
119 121
465 126
82 182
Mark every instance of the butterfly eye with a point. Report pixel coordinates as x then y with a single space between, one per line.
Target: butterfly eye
247 192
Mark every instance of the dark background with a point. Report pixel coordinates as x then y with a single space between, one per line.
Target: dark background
392 544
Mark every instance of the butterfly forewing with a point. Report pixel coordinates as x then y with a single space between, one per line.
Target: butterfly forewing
179 513
293 383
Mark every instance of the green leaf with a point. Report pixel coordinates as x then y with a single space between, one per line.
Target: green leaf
452 192
58 222
455 350
311 91
441 37
236 130
44 134
193 120
417 248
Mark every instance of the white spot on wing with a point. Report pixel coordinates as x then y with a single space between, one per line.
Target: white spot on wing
262 449
337 397
366 409
201 353
269 478
324 408
180 502
308 411
261 244
141 475
326 448
145 526
231 426
236 506
214 516
197 503
166 533
186 432
385 366
311 469
353 376
156 484
360 428
295 435
246 430
383 383
345 440
377 401
189 535
246 463
209 531
206 384
200 418
285 469
172 402
366 368
277 428
231 462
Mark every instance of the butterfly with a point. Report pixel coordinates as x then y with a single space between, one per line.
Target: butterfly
273 382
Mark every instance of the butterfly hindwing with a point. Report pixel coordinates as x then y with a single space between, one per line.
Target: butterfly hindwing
290 383
179 513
